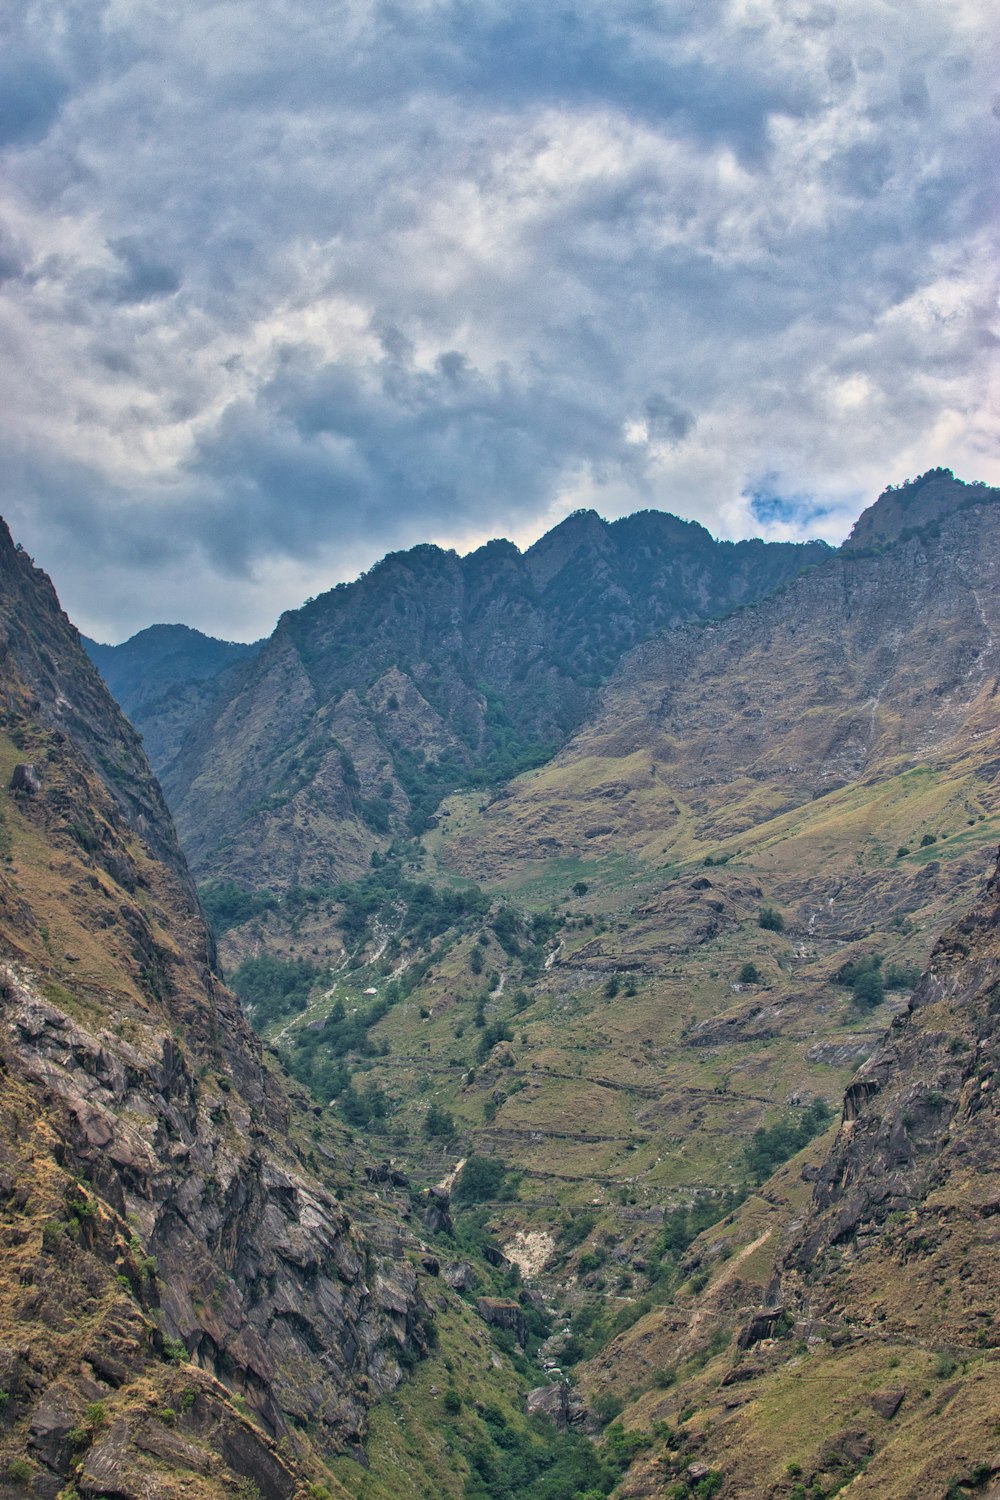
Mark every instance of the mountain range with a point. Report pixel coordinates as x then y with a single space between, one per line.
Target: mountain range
623 1123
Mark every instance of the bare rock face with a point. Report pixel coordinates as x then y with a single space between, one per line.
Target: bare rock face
761 1326
500 1312
552 1401
923 1109
435 1214
460 1276
888 1402
26 779
161 1236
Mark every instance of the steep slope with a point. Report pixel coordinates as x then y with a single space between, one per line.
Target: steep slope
868 667
164 678
667 949
185 1306
434 671
860 1348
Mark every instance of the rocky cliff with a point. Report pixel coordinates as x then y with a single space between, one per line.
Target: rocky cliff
431 672
847 1335
164 678
185 1305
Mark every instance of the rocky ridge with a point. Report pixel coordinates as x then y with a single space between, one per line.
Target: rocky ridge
169 1249
856 1340
432 671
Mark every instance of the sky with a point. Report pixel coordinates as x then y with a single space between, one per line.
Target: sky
287 284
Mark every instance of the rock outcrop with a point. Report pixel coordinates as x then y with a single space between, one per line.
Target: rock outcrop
166 1247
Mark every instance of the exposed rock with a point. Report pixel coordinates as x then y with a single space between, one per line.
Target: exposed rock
761 1326
52 1421
26 779
386 1172
888 1402
164 1188
552 1401
500 1312
435 1215
848 1450
460 1276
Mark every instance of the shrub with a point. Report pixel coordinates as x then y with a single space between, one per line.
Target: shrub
868 990
481 1180
438 1122
771 1146
771 919
927 840
749 974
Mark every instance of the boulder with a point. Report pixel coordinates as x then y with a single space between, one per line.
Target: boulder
435 1216
26 779
460 1276
52 1421
500 1312
553 1401
888 1402
761 1326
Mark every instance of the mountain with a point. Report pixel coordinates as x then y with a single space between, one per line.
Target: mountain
756 803
575 1049
164 678
847 1336
185 1304
430 672
641 976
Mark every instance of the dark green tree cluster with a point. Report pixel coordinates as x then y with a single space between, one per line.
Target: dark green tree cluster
772 1145
534 1462
227 904
271 988
483 1179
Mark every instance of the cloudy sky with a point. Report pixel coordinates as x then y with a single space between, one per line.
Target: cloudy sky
285 284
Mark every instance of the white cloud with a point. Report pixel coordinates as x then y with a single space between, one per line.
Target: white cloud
289 285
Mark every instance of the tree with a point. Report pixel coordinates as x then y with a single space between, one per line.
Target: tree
868 989
771 919
482 1179
438 1122
749 974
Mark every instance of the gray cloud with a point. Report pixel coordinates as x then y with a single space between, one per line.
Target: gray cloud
286 287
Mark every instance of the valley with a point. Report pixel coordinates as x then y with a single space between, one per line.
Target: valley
571 895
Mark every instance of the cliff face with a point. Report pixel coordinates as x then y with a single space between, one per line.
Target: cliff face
866 667
172 1268
369 703
164 678
919 1143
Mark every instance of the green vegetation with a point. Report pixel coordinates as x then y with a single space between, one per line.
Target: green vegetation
533 1462
772 1145
482 1179
865 978
423 913
227 904
438 1122
272 988
771 919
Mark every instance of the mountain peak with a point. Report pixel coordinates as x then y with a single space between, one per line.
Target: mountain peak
916 503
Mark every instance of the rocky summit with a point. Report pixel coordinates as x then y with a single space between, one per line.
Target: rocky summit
599 1099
